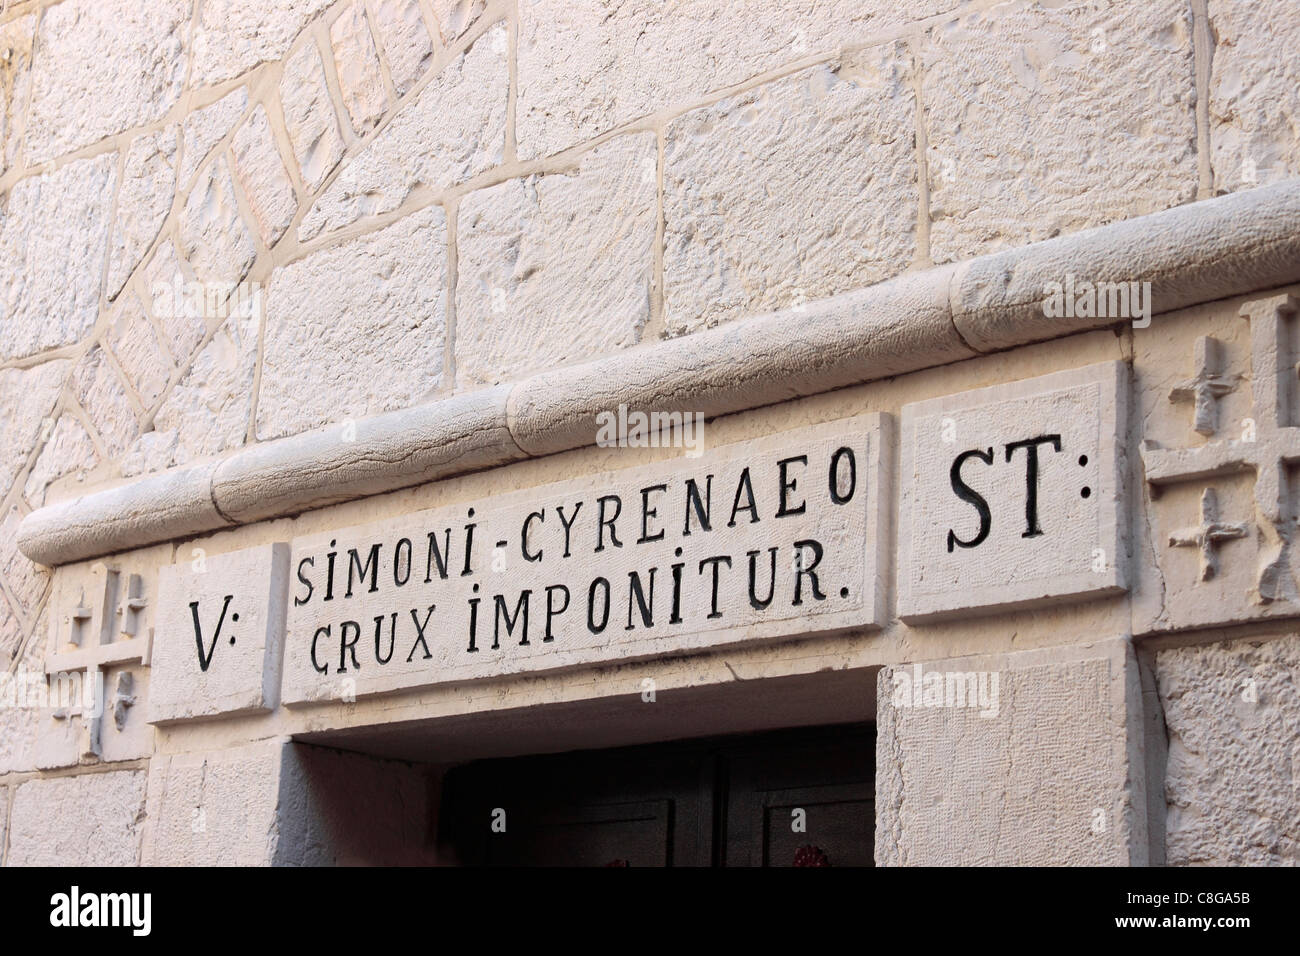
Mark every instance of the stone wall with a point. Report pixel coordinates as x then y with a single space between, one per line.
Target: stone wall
228 221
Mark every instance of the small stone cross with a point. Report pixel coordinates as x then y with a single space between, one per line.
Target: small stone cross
1206 386
1208 534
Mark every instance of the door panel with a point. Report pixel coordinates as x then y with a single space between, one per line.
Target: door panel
728 801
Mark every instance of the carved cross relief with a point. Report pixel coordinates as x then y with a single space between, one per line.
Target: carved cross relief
1267 446
100 625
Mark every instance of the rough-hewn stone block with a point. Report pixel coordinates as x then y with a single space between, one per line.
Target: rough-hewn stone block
367 316
1254 92
357 65
796 190
1046 120
143 202
102 67
557 268
309 115
1232 711
53 239
98 820
404 36
27 397
261 175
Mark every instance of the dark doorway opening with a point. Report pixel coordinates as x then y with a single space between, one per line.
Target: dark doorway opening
785 798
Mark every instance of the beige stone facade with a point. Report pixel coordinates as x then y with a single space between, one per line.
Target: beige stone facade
980 317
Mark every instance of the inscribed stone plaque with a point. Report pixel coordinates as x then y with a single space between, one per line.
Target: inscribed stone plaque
762 539
1011 495
217 640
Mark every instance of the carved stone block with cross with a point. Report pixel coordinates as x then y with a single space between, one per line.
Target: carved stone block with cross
1261 451
100 639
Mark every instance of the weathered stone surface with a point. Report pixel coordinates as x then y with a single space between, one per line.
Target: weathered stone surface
148 185
69 450
357 64
16 38
26 581
139 350
557 268
279 803
168 280
797 190
452 130
103 66
1046 121
262 176
206 127
215 239
19 723
309 115
402 33
586 68
540 558
233 665
1020 759
1232 711
99 817
27 397
53 239
368 316
454 17
100 393
1254 93
233 36
208 410
1011 495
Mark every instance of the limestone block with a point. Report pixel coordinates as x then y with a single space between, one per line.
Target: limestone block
1232 710
795 190
357 64
309 115
139 349
215 239
53 239
402 33
100 393
204 128
102 67
208 410
99 818
587 68
453 129
233 36
1024 759
556 268
355 329
1254 93
263 178
1011 495
11 635
1044 120
148 185
217 636
68 451
16 38
27 398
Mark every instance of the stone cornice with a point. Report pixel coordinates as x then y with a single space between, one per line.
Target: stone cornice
1191 254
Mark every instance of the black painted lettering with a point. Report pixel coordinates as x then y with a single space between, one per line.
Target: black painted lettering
971 497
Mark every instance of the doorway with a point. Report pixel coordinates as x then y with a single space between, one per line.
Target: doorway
786 798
